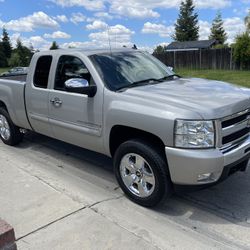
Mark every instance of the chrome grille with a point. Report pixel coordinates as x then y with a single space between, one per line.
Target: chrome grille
235 129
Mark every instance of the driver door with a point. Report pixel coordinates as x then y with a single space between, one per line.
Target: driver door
74 118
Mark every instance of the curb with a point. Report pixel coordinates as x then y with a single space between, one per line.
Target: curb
7 236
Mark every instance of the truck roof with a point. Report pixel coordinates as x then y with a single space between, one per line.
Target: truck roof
84 51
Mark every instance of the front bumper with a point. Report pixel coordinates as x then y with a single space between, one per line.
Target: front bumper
186 165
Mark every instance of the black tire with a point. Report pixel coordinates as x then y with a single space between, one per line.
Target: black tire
15 134
163 184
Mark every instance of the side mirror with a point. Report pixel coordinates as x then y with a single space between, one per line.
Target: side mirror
81 86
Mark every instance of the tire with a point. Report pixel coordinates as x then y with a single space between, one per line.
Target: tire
9 132
145 178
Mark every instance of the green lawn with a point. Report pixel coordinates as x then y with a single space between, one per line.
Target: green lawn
3 70
237 77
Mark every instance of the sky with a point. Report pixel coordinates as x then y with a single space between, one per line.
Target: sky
98 23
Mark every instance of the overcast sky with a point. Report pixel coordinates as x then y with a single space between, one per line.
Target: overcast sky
87 23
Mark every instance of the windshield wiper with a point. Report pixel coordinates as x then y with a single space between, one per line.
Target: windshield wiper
169 76
139 83
149 80
146 81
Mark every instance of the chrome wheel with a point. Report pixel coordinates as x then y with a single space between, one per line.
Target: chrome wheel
137 175
4 128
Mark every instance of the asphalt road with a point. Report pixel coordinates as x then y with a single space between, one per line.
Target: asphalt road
58 196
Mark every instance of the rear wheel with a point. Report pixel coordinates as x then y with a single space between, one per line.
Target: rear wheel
9 132
142 173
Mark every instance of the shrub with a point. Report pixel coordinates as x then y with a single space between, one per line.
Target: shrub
242 50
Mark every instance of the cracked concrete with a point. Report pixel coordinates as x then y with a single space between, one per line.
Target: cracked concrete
84 230
58 196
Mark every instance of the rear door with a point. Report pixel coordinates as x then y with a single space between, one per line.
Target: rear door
75 118
37 95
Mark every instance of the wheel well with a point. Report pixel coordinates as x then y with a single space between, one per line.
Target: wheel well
2 105
120 134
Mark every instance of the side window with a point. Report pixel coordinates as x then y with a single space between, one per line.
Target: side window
70 67
42 70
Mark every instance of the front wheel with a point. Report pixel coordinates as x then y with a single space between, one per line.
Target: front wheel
9 132
142 173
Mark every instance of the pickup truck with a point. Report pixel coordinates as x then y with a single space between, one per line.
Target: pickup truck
162 131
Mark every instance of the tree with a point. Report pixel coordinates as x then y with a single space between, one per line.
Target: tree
3 59
159 49
186 27
24 53
21 55
217 30
247 21
54 46
14 60
242 50
6 43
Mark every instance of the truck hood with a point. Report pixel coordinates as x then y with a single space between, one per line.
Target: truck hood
210 99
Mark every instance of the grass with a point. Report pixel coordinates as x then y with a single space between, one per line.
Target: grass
233 76
3 70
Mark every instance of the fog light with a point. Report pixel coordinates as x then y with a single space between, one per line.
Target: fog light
208 177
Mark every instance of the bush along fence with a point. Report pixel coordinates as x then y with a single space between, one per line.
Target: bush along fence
200 59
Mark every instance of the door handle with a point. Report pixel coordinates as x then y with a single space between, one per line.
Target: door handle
56 102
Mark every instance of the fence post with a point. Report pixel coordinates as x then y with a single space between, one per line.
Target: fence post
200 58
174 59
231 58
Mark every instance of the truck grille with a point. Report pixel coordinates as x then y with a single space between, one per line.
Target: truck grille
235 129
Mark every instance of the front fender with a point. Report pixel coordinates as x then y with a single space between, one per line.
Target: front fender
136 116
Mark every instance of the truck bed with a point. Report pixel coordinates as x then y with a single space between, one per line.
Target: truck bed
12 94
21 78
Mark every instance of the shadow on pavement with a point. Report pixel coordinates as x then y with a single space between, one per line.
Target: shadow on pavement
229 200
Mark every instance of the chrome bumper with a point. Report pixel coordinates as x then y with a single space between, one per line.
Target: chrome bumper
186 165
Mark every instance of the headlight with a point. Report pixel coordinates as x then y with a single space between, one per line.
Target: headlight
194 134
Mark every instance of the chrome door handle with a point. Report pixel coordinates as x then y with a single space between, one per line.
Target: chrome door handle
56 102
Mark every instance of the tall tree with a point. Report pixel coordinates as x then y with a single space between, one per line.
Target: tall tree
6 43
54 46
186 27
217 30
21 55
247 21
3 58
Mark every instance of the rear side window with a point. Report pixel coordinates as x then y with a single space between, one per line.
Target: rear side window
42 70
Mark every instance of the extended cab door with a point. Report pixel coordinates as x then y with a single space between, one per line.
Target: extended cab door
37 94
75 118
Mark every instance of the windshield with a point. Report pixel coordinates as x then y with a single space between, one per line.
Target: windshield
123 69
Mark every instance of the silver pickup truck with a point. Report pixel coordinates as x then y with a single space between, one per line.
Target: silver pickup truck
161 130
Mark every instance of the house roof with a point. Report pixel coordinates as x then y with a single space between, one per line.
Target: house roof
203 44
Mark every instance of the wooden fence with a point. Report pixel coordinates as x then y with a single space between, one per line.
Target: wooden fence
200 59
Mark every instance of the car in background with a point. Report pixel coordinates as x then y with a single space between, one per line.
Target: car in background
16 71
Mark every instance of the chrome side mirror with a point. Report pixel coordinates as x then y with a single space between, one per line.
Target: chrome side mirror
76 83
81 86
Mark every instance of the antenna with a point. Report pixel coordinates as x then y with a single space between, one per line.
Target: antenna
115 41
109 40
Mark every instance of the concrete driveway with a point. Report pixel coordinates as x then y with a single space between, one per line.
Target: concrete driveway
58 196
